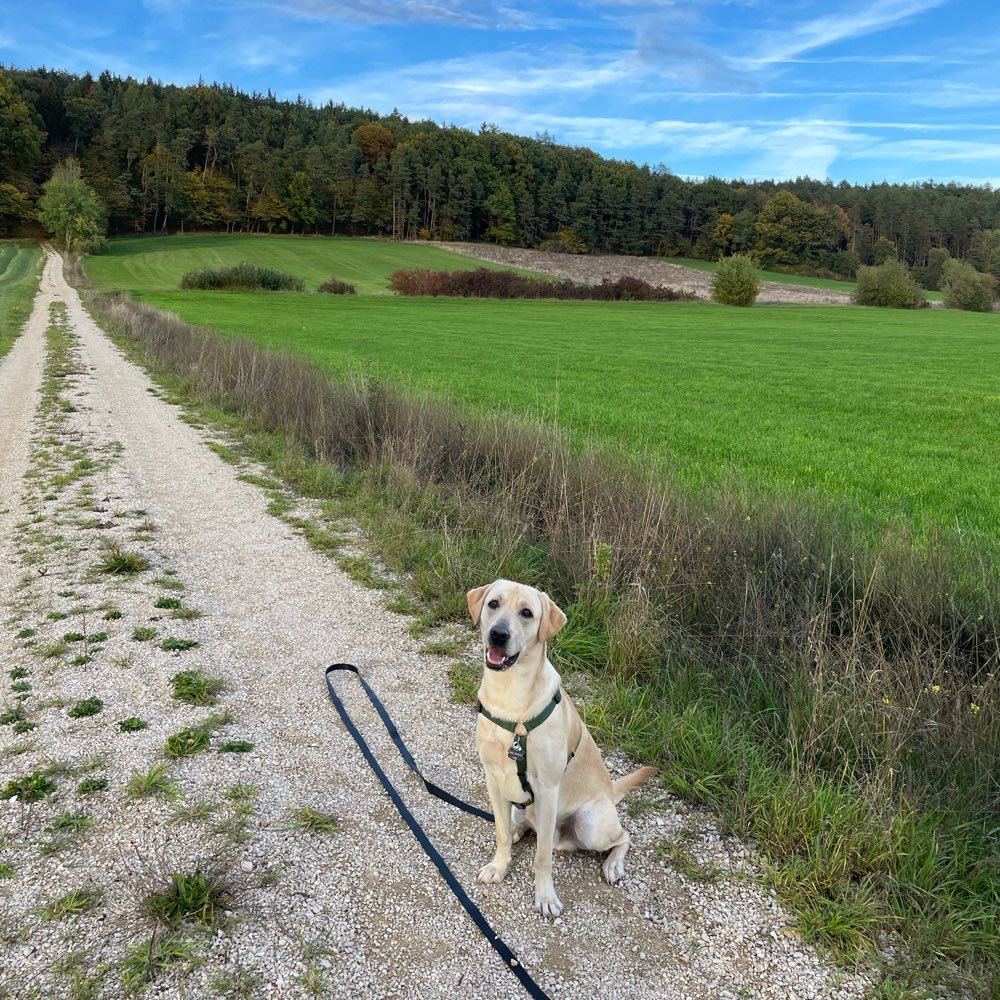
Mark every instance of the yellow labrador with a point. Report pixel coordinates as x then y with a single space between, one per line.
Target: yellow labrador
563 790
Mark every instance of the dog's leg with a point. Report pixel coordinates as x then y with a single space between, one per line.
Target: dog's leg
497 868
599 829
521 824
546 806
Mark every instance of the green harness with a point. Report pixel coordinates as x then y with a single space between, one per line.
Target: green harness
518 751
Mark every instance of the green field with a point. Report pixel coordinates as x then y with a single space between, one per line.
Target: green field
18 273
159 263
888 414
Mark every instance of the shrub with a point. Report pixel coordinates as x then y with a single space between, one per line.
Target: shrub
242 277
889 285
487 284
736 281
337 287
966 288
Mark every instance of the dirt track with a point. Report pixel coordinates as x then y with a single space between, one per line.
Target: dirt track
593 268
358 913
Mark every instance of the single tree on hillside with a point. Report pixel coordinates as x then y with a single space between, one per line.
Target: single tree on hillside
71 210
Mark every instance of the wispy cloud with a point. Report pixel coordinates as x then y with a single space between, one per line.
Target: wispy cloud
786 45
464 13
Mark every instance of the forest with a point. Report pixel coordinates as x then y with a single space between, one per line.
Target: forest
206 157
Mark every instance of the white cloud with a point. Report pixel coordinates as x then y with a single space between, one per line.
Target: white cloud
784 46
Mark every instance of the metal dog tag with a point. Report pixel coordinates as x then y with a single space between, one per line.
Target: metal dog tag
517 750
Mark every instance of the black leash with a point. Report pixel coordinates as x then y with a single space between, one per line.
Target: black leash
496 942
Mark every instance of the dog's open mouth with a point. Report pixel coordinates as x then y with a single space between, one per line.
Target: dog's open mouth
497 660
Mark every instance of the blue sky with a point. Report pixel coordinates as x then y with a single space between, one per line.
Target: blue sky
862 90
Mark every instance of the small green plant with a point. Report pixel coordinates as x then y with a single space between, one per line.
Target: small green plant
119 562
7 870
146 960
184 613
90 785
12 715
155 781
168 583
74 637
186 742
69 822
24 726
171 644
18 672
72 903
97 637
89 706
236 746
133 724
195 688
168 602
21 687
199 897
195 811
312 821
113 615
736 281
143 633
25 633
30 788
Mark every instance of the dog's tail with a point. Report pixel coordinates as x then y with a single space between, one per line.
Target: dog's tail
623 786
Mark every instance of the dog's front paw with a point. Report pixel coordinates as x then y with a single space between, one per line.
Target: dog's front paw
613 869
547 902
492 873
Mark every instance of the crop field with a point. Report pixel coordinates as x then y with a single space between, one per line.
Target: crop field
18 268
888 414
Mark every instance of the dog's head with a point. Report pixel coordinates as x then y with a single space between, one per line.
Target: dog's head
514 619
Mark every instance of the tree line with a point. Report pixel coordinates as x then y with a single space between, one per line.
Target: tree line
164 158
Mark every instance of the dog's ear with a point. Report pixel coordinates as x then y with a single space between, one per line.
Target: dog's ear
553 619
476 598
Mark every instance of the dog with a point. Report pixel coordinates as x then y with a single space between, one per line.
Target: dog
564 792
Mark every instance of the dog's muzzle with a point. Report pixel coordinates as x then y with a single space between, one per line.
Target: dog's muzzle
495 659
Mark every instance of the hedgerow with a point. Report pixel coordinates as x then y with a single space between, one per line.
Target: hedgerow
242 277
487 284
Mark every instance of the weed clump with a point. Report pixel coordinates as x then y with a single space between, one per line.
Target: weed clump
193 897
30 788
242 277
132 725
88 706
119 562
195 688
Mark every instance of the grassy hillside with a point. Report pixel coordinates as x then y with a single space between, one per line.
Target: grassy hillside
152 262
19 265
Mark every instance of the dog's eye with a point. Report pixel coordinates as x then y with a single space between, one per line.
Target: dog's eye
526 613
493 604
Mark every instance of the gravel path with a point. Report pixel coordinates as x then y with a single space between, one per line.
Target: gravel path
592 268
99 459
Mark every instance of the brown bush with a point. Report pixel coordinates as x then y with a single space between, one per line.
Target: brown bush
337 287
484 283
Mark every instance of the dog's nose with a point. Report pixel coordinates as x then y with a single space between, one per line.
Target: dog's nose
499 634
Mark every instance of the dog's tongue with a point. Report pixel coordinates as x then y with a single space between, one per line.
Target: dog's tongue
495 656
